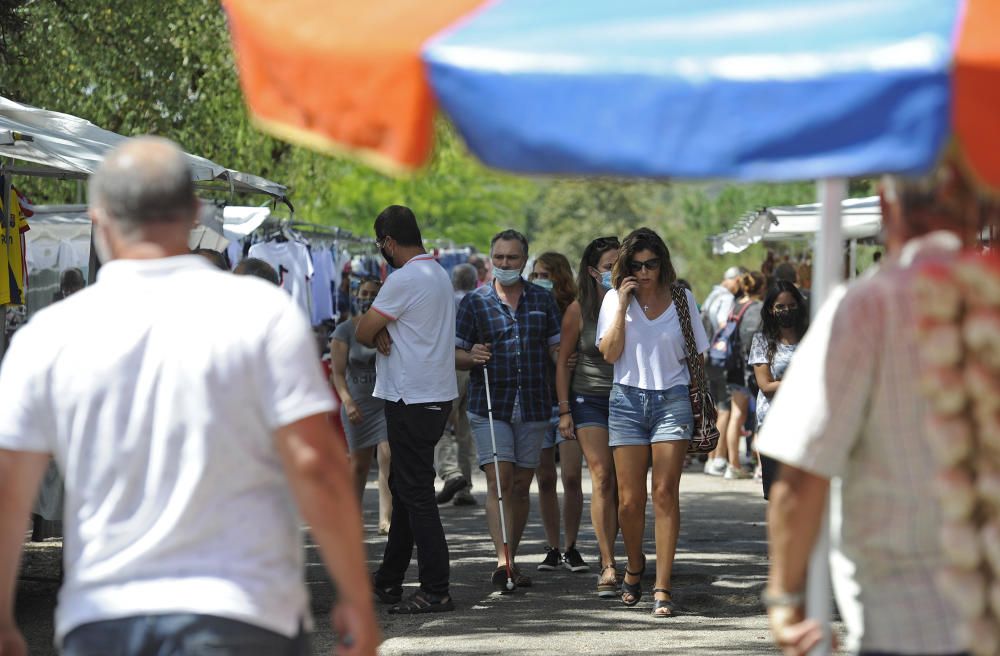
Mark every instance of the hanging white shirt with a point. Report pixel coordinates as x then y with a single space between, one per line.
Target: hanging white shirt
654 356
294 266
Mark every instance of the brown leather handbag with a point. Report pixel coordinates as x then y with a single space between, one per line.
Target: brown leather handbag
705 436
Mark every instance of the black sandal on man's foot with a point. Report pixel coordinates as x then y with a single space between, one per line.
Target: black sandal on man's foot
633 590
392 594
423 602
659 604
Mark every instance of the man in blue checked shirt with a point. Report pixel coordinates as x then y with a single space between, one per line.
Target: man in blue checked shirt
512 328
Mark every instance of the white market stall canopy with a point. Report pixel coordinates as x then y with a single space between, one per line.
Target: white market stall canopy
70 147
861 219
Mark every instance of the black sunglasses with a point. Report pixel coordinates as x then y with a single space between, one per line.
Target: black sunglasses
605 242
652 264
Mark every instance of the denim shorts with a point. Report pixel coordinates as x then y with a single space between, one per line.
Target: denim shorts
590 411
552 435
519 442
642 417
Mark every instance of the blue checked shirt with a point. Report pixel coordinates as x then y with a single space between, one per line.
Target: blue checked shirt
520 343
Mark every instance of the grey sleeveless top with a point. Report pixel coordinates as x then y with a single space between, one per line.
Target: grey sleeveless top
592 376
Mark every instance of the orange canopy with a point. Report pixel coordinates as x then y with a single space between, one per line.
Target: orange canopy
345 79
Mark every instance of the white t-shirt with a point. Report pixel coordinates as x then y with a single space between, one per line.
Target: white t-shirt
418 300
294 266
158 390
654 353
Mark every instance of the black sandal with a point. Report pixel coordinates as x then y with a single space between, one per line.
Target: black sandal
667 604
423 602
392 594
633 589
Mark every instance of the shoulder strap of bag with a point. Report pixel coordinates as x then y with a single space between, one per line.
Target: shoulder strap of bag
695 366
739 317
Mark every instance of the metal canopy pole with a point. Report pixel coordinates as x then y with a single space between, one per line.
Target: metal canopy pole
827 273
4 233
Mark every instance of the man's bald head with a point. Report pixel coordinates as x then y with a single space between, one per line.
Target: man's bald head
144 181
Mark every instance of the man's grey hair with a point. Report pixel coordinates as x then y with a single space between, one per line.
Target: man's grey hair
510 235
464 278
145 180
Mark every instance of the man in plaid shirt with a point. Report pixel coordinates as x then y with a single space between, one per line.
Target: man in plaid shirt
512 328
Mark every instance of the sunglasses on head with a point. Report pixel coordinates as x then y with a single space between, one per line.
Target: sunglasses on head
652 264
605 242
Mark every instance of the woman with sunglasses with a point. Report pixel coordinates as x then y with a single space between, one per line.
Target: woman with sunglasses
583 393
639 331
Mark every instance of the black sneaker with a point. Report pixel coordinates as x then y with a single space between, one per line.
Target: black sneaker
451 488
573 561
551 562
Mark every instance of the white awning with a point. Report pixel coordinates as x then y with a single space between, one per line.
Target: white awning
861 219
72 146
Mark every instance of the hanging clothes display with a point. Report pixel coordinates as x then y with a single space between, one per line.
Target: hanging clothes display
12 254
294 266
324 285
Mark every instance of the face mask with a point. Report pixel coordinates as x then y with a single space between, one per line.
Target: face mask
388 258
507 277
787 318
544 283
606 280
364 304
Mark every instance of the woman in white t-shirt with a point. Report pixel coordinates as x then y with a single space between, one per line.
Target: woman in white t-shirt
638 330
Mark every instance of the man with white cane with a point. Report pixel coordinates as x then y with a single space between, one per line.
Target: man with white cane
410 323
507 335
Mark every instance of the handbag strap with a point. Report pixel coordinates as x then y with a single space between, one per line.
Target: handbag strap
696 368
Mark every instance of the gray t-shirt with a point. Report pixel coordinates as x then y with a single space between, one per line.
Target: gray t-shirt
758 355
360 372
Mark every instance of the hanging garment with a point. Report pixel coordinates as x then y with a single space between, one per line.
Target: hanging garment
14 269
323 285
294 266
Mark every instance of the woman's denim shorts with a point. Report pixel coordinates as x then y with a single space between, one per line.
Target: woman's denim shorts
642 417
590 411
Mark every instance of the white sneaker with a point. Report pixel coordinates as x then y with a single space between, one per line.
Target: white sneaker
715 466
733 473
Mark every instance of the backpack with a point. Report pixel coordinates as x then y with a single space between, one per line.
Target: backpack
725 351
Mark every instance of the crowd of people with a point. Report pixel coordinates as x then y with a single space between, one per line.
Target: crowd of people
517 364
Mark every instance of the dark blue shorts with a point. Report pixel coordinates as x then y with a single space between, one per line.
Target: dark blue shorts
590 411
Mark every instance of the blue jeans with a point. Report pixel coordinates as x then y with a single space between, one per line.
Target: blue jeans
180 634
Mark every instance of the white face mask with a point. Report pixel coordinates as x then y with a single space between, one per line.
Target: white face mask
507 277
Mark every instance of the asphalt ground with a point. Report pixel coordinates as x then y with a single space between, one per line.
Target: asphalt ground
719 571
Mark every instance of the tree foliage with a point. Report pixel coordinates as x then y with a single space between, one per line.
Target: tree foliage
137 67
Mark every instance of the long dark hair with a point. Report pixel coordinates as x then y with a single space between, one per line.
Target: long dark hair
561 275
587 292
643 239
769 325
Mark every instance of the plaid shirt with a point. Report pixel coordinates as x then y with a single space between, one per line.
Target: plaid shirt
520 343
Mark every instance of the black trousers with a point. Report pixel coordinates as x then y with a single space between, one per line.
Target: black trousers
414 431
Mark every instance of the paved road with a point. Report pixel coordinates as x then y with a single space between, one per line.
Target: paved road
718 574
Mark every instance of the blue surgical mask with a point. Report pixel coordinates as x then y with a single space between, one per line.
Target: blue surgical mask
507 277
606 280
544 283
